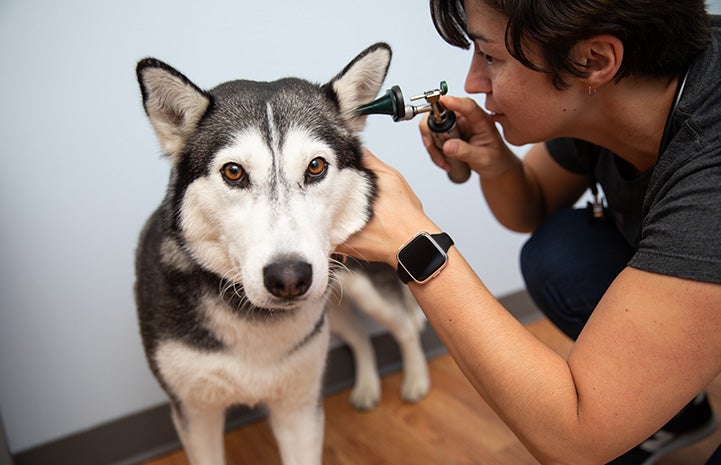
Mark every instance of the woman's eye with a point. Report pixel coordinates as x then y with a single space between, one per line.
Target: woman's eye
232 173
489 58
316 168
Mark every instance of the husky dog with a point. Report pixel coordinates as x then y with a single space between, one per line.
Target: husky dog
234 269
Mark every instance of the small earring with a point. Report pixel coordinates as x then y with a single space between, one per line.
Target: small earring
591 91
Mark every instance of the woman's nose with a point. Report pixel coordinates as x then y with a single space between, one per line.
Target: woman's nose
477 79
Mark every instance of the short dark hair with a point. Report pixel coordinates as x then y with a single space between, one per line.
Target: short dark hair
660 37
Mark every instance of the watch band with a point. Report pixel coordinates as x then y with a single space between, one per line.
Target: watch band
442 239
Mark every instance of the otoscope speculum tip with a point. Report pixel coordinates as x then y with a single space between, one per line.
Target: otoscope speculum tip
390 103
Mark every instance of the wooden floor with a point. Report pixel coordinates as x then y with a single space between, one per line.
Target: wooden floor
452 425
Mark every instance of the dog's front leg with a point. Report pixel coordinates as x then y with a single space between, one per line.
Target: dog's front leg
402 322
298 430
350 328
201 432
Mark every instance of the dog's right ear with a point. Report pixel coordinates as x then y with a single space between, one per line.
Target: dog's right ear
174 104
360 81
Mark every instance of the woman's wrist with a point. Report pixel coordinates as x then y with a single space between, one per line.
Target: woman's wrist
507 163
403 234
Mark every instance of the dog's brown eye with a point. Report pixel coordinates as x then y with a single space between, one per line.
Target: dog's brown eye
317 167
232 172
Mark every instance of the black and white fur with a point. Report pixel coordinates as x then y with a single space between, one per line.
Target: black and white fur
233 268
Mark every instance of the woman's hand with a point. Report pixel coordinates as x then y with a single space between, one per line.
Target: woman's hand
397 216
482 147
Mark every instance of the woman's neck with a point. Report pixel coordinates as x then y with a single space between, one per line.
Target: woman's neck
629 118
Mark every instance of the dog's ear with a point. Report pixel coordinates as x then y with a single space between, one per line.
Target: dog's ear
174 104
360 81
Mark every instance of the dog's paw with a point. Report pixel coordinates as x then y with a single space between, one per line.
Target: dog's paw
365 395
415 388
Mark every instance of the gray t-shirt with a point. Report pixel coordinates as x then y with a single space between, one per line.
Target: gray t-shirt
672 214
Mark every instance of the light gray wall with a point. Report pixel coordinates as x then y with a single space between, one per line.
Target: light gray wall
81 172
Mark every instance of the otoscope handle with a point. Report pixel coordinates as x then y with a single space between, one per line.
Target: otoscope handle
459 171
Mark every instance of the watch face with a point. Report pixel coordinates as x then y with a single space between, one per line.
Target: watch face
422 257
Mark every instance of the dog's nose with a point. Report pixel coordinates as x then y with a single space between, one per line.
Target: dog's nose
288 278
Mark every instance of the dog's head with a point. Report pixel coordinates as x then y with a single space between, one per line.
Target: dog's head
266 176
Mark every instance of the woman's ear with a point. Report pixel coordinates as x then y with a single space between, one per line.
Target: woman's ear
602 56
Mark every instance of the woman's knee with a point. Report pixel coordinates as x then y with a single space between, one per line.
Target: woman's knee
567 265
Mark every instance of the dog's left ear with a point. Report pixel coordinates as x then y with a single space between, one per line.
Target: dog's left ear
360 81
173 103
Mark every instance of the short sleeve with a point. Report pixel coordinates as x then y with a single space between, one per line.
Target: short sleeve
681 229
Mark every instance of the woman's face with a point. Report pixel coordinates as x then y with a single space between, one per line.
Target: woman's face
524 102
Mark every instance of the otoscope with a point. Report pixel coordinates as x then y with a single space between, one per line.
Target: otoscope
441 122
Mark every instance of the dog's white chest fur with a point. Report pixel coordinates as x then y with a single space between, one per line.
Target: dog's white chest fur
262 361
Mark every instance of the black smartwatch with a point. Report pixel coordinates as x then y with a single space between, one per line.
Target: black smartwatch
423 257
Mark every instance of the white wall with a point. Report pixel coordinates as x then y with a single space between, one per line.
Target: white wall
81 172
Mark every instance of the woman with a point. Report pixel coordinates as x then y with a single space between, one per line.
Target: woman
593 84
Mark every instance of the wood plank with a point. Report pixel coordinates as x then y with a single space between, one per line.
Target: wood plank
452 425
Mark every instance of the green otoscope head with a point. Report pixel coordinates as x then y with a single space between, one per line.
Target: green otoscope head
392 103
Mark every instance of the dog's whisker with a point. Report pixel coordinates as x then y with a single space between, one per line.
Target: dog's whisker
231 290
335 287
335 265
335 284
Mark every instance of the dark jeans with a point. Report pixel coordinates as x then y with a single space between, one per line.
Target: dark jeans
715 459
568 263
